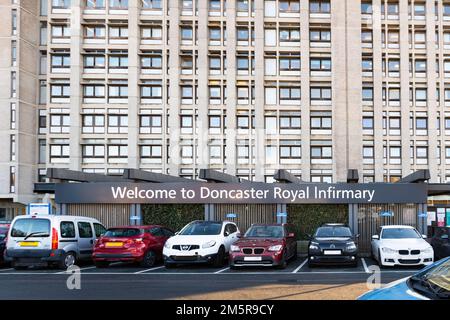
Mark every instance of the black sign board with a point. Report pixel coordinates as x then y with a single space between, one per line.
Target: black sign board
106 192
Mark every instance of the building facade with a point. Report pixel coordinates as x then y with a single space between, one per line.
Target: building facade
241 86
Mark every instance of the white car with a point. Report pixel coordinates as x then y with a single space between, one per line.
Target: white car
201 242
401 245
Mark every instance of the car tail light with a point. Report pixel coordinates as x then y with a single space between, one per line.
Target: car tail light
54 239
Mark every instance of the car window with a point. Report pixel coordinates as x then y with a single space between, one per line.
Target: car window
400 233
31 228
157 232
338 232
99 229
201 228
67 229
263 231
122 232
233 228
228 229
85 230
168 233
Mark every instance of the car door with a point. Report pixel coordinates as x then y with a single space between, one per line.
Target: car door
159 237
231 229
85 239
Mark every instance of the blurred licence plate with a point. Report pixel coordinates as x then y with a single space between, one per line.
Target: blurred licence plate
28 243
114 244
332 252
252 258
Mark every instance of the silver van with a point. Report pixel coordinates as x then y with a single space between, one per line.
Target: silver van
45 240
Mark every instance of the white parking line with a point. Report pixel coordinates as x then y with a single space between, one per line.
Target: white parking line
9 269
365 265
300 266
222 270
81 269
151 269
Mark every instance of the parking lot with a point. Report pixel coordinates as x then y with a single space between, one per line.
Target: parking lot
126 281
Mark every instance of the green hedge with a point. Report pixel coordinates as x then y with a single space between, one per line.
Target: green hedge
174 216
306 218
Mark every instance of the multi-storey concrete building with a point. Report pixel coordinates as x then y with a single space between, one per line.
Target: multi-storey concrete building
244 86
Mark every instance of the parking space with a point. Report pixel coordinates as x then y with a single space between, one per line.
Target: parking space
298 266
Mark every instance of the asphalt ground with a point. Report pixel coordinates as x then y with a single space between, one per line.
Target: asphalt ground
127 281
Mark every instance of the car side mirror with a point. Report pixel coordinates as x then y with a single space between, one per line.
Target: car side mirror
176 233
226 233
291 235
375 237
444 237
239 235
308 236
424 236
357 235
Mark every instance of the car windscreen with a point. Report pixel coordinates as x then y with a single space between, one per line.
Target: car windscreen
400 233
31 228
435 282
122 232
333 232
265 232
201 229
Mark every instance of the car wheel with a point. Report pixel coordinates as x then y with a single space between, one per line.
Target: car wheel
283 263
169 265
218 261
379 260
310 264
149 260
294 257
67 260
16 267
101 264
233 267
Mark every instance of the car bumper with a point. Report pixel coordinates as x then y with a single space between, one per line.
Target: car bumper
401 260
189 259
266 260
116 255
332 259
25 257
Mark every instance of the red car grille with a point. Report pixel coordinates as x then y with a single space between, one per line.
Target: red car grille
253 250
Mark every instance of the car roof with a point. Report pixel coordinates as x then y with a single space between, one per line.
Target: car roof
56 217
397 227
334 225
211 221
137 227
269 224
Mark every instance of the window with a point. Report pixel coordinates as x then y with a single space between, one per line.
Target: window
320 35
60 91
13 52
242 34
12 147
421 94
321 123
13 115
367 65
12 179
150 124
151 151
152 4
94 61
84 230
290 63
117 124
242 5
367 152
95 4
289 6
214 5
118 32
118 4
153 61
60 4
290 35
42 92
13 84
60 31
420 66
94 32
186 5
93 151
419 9
367 123
43 9
60 61
421 123
366 36
290 122
59 151
187 152
59 123
43 34
421 152
366 7
319 6
42 122
186 33
392 8
117 151
321 152
94 91
320 64
117 91
151 91
367 94
290 150
243 122
186 122
289 93
242 62
99 230
395 152
14 21
320 93
153 33
93 123
394 65
187 92
394 94
214 34
394 123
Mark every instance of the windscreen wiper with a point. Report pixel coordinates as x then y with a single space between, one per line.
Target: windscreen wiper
44 234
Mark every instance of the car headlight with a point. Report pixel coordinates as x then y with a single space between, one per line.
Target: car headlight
209 244
234 248
275 248
428 250
314 246
167 245
351 246
388 250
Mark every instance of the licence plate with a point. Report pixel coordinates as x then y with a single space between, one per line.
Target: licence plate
28 243
252 258
114 244
332 252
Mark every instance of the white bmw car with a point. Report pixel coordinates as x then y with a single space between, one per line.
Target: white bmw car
401 245
201 242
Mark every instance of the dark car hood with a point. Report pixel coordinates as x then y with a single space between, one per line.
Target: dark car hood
261 242
332 240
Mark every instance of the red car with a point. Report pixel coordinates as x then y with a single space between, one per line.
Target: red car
139 244
4 227
264 245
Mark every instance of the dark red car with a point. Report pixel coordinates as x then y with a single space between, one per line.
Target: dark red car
139 244
264 245
4 227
